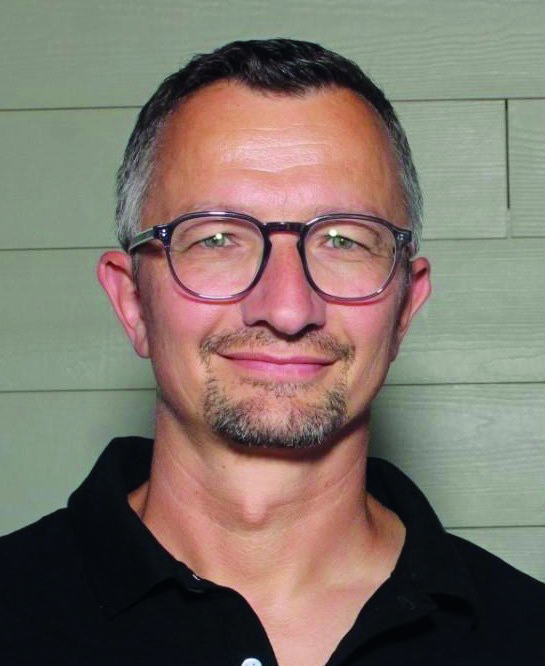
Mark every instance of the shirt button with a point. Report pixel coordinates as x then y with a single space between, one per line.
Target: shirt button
251 661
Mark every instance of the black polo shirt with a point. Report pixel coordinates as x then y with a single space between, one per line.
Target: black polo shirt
90 585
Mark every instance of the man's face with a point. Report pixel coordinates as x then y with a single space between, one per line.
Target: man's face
281 367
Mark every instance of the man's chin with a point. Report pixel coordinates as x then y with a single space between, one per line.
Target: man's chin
261 422
263 390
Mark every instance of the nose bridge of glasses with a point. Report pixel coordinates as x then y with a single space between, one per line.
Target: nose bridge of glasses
285 272
287 226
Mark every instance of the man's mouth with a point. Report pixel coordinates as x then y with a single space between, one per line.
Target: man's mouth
291 367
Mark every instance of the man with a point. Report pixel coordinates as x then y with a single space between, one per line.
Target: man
269 213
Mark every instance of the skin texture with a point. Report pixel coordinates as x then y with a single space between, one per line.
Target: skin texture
291 530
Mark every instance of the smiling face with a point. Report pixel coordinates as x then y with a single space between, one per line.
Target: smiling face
281 366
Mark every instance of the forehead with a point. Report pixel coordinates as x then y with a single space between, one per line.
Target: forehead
230 146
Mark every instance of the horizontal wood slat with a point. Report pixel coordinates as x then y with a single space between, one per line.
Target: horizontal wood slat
485 322
58 176
477 452
59 331
522 547
67 53
50 441
527 166
59 170
459 152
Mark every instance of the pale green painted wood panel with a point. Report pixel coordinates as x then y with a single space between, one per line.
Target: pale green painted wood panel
477 451
485 322
59 168
58 329
527 166
75 53
58 176
459 152
50 441
523 548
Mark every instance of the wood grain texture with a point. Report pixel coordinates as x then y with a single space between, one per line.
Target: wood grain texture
59 328
477 452
71 53
58 176
527 166
522 547
50 441
59 170
485 322
459 152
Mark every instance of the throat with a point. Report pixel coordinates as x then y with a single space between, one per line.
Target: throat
269 526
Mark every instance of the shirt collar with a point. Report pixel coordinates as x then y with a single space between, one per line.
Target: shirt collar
429 557
125 561
123 558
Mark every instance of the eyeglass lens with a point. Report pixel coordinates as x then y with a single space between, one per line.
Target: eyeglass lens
220 257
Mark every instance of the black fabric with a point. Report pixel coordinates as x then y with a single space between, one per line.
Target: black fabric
90 585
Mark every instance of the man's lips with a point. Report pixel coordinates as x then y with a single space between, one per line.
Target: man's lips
299 359
296 366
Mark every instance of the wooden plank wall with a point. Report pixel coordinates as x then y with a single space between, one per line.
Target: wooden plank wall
464 409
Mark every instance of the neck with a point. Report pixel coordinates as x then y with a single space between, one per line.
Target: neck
279 521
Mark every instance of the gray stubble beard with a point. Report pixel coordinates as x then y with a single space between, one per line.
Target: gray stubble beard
243 422
246 422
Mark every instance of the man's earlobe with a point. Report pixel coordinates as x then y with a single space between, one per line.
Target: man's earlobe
417 293
115 274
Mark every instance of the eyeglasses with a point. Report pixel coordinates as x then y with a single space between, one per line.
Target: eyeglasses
220 256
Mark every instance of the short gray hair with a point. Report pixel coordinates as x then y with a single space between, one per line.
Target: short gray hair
274 65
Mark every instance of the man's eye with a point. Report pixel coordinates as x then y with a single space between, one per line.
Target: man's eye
340 242
217 240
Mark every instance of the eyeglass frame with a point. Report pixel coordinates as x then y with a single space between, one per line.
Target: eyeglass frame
163 233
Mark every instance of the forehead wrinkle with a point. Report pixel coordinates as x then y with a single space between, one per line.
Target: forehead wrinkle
273 155
270 154
278 170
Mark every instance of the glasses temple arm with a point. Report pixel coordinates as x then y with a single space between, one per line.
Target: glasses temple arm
141 238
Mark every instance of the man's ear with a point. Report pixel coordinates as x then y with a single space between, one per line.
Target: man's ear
114 272
417 293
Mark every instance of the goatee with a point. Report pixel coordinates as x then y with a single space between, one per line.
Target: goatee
292 423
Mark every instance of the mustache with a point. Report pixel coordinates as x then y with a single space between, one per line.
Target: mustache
247 338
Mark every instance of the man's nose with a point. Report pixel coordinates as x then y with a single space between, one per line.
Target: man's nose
283 298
